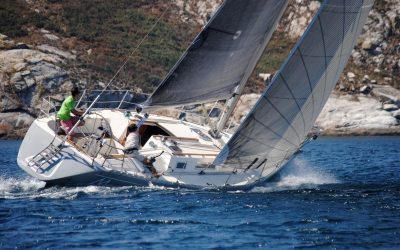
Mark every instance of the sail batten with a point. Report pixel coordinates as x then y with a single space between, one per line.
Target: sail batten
222 55
287 110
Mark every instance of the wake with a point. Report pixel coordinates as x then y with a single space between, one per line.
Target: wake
299 174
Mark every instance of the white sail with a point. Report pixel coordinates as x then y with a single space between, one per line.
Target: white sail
278 124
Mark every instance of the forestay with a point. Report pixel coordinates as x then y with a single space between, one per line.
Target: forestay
278 124
219 58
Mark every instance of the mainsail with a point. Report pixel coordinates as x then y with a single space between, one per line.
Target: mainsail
279 122
223 53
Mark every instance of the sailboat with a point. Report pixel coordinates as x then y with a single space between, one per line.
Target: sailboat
215 67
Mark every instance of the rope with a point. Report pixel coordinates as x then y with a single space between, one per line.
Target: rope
115 75
135 49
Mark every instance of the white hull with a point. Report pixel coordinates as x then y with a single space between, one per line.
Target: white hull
188 154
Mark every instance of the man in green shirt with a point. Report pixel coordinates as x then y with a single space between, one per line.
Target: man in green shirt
67 108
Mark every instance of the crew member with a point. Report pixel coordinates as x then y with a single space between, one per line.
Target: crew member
68 120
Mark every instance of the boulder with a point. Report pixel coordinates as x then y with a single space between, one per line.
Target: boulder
14 124
390 107
51 37
265 76
386 93
351 75
356 114
396 114
53 50
365 89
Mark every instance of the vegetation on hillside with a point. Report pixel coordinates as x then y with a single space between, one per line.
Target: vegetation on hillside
105 32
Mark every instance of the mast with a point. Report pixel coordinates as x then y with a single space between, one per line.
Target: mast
233 101
228 110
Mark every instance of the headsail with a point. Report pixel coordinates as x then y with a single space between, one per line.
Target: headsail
220 55
279 122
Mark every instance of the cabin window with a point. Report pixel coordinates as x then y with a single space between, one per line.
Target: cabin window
147 131
181 165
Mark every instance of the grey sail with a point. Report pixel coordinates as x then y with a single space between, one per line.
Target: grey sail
219 58
279 122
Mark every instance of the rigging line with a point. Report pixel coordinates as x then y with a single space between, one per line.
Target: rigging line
112 79
309 81
287 121
298 106
135 49
326 63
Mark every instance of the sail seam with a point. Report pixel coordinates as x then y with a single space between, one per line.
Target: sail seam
284 118
222 31
326 63
280 136
295 100
309 81
262 143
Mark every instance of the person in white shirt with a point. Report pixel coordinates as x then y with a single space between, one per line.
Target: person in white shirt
132 143
132 146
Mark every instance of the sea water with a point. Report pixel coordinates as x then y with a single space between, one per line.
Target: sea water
338 193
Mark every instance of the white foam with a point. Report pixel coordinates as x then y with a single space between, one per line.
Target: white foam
298 174
14 185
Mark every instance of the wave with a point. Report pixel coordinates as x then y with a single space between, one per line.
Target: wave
299 174
30 188
14 185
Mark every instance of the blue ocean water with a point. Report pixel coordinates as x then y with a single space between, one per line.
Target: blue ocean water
339 193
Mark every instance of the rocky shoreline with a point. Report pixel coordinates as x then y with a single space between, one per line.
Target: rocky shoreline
373 114
365 102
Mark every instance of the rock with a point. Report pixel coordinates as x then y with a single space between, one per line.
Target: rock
378 50
49 49
386 93
390 107
7 103
29 82
365 89
51 37
195 11
44 31
366 79
33 60
19 66
367 44
345 114
25 72
9 58
20 86
14 124
50 75
351 75
300 15
266 77
5 128
396 114
387 79
21 46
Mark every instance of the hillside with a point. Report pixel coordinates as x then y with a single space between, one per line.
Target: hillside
47 45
